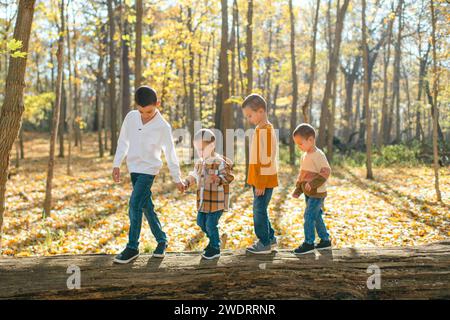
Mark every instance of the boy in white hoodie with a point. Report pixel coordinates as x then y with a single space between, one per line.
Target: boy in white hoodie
144 134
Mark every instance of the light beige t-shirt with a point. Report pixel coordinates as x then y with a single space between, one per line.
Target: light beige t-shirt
313 164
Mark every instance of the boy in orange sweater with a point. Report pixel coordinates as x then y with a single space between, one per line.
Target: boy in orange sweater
262 171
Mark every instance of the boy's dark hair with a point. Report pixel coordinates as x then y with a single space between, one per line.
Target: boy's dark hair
255 102
205 135
145 96
304 130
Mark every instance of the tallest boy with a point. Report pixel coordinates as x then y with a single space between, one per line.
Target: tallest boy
143 135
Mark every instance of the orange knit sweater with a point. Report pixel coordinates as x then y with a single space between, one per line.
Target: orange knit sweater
262 170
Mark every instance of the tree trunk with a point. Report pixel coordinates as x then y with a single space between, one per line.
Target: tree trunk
312 68
21 145
435 113
395 103
366 93
293 123
138 49
55 119
70 119
126 97
249 55
191 97
331 74
238 43
350 79
62 118
249 47
384 106
224 116
331 122
112 78
98 90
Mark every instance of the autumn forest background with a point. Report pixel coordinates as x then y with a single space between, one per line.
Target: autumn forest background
371 76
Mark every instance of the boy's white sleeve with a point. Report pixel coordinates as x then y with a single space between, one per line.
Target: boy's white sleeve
122 145
170 154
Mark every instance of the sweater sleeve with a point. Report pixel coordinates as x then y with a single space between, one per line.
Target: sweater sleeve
225 174
171 157
123 144
324 169
193 176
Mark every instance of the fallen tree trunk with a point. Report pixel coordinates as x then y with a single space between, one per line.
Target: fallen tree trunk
420 272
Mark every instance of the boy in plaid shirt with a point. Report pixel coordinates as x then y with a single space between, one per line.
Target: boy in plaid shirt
212 174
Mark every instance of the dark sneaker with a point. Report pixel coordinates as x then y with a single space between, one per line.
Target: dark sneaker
273 242
160 250
126 256
323 244
259 248
304 248
211 253
207 247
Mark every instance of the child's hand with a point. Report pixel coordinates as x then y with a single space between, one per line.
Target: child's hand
259 192
214 178
181 187
295 195
116 175
307 187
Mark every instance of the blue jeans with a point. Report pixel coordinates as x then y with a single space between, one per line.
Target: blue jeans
141 200
313 220
208 222
263 228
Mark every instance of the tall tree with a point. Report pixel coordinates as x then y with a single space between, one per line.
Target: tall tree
312 67
249 47
138 48
70 114
13 107
435 104
125 62
112 77
294 81
396 83
366 92
56 111
331 74
384 106
223 117
191 95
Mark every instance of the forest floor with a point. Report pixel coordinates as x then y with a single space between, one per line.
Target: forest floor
397 208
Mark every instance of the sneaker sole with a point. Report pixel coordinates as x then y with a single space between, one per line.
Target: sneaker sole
125 261
260 252
156 255
323 248
299 254
210 258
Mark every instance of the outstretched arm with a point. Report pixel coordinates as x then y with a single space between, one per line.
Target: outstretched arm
171 157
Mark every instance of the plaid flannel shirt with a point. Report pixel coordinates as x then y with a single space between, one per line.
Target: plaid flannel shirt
211 196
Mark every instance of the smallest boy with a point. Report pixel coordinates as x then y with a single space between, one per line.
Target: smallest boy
312 180
212 174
